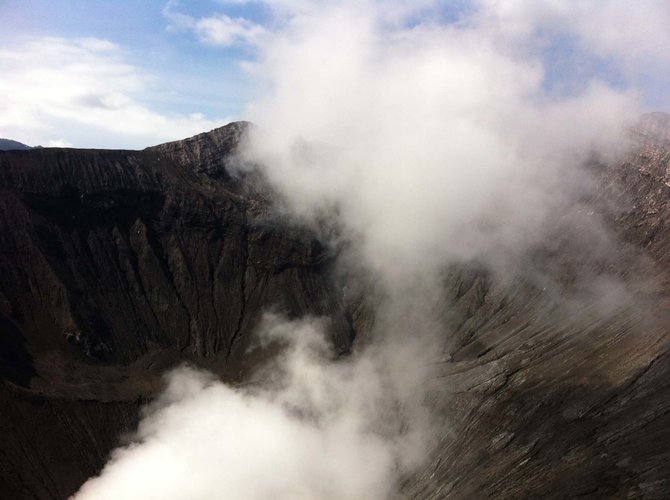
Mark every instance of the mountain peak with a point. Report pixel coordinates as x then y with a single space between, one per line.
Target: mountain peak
207 150
10 145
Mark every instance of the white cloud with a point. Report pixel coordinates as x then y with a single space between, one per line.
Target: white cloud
59 143
223 30
618 33
217 29
85 89
610 26
442 142
633 35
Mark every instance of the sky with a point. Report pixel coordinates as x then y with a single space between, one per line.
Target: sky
164 79
129 74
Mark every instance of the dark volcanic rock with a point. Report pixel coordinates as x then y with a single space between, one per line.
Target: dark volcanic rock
115 265
566 396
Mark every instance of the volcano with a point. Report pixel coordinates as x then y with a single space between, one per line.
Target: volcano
116 266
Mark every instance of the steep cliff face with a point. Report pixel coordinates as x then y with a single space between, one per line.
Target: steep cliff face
116 265
564 396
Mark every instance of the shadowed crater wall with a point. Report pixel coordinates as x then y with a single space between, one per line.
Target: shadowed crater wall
117 265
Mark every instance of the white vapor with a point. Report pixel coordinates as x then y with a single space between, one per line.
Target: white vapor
310 431
434 143
427 144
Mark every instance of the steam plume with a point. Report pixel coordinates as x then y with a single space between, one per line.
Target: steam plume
428 143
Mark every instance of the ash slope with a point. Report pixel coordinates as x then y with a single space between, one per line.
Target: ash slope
558 387
117 265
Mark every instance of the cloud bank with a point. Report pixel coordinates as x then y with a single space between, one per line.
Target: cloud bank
217 29
83 88
429 136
